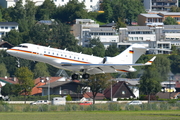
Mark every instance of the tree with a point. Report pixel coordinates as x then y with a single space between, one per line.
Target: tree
97 83
10 89
41 70
3 70
175 63
108 12
97 47
150 81
120 23
71 11
25 79
14 37
46 10
162 64
170 21
112 50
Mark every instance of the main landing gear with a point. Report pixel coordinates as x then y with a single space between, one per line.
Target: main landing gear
76 76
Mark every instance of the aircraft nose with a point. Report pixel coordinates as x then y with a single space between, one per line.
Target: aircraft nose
10 51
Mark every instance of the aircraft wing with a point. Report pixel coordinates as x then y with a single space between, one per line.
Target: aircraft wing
104 68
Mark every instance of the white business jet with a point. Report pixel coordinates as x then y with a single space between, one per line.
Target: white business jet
81 63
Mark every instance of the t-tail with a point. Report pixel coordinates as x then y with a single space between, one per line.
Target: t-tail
128 56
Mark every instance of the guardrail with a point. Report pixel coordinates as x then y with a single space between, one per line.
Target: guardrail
96 102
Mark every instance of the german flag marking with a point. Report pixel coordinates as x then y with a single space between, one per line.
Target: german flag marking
131 51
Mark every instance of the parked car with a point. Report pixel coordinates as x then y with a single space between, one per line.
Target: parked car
85 103
135 102
40 102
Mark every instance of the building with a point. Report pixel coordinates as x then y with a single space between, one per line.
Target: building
43 81
157 19
150 20
63 88
160 5
119 90
175 15
86 29
5 45
6 27
91 5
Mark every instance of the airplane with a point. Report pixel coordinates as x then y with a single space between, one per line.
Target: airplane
79 63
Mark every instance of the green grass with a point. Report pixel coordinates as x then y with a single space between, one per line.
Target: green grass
109 115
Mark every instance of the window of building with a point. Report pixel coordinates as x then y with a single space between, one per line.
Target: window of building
140 38
135 38
90 6
84 0
91 0
6 27
12 27
130 38
123 92
2 27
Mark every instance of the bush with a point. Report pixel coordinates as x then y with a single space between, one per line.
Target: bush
68 98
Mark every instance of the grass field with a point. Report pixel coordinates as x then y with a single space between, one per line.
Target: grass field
109 115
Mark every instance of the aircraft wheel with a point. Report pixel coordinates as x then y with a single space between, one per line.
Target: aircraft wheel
85 76
74 77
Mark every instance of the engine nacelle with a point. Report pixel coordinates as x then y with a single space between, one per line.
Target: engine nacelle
108 60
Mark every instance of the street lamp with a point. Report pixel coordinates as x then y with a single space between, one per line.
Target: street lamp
170 78
47 78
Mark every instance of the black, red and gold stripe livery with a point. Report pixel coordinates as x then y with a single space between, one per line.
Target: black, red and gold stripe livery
50 56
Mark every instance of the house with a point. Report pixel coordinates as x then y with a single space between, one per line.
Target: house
5 80
5 45
150 20
160 5
119 90
43 81
6 27
63 88
89 96
157 19
175 15
168 95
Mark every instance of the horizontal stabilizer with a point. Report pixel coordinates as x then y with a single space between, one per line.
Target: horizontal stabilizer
150 61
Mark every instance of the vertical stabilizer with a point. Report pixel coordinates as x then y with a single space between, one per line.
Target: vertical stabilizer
130 55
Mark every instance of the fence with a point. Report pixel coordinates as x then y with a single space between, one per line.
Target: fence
97 107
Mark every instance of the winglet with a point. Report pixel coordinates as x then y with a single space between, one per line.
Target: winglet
150 61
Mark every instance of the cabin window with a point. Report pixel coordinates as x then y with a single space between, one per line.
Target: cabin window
82 58
44 51
74 57
69 56
61 54
57 54
65 55
48 52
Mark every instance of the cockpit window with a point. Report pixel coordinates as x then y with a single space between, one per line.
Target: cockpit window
22 46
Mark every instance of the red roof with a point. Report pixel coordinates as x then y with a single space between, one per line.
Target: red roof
42 81
90 95
12 80
177 84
